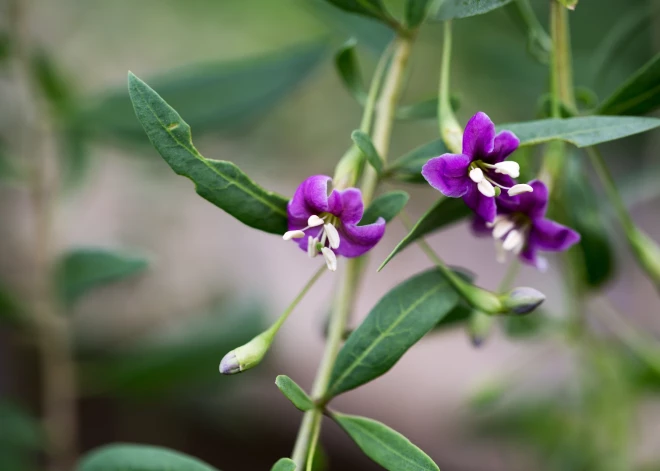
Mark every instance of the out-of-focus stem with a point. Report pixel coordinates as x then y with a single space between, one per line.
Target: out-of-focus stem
450 131
37 143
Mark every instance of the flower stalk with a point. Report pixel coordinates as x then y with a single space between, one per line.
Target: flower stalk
450 131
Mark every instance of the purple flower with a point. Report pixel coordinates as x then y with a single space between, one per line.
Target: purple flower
521 227
475 174
329 223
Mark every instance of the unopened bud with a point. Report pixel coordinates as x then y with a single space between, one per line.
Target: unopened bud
522 300
479 326
248 356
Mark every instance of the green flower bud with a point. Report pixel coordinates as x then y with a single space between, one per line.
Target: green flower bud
522 300
480 299
248 356
479 326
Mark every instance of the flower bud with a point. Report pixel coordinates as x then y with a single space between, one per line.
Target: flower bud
480 299
249 355
522 300
479 326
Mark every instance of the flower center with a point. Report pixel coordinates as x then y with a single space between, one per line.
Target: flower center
482 174
510 233
328 234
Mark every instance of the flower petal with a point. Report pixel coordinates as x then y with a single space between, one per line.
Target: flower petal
314 232
534 204
479 136
357 240
311 197
551 236
484 206
530 256
448 174
480 227
504 144
352 206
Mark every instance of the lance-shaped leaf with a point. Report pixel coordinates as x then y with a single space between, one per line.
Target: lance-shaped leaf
396 323
124 457
416 11
363 142
443 213
220 182
348 68
82 269
284 464
294 393
372 8
213 96
639 95
450 9
385 446
409 167
580 131
387 206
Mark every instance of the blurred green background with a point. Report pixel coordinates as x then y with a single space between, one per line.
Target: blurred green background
255 79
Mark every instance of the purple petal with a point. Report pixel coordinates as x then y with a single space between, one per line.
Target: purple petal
313 231
357 240
479 136
529 256
352 206
448 174
534 204
551 236
484 206
505 144
480 227
311 197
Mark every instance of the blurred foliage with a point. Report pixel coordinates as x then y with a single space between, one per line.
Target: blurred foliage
20 437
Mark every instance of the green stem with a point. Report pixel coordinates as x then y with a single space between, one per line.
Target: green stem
450 131
539 42
374 90
562 70
386 109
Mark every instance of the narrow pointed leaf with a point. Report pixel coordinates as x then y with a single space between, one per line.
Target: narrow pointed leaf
450 9
402 317
386 206
409 167
125 457
348 68
215 96
80 270
581 131
443 213
385 446
363 141
371 8
220 182
639 95
294 393
284 464
416 11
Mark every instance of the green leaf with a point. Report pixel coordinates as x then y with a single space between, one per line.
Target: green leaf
387 206
220 182
363 142
55 87
582 131
450 9
402 317
20 431
11 312
215 96
385 446
129 457
284 464
294 393
371 8
348 68
458 315
583 211
409 167
82 269
639 95
416 11
169 360
444 212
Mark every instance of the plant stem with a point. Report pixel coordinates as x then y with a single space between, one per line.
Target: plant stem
386 109
450 131
37 142
345 295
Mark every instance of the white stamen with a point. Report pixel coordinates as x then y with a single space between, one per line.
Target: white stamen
314 221
476 175
502 227
311 246
500 254
513 241
333 235
486 188
330 258
497 219
511 169
293 235
520 188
